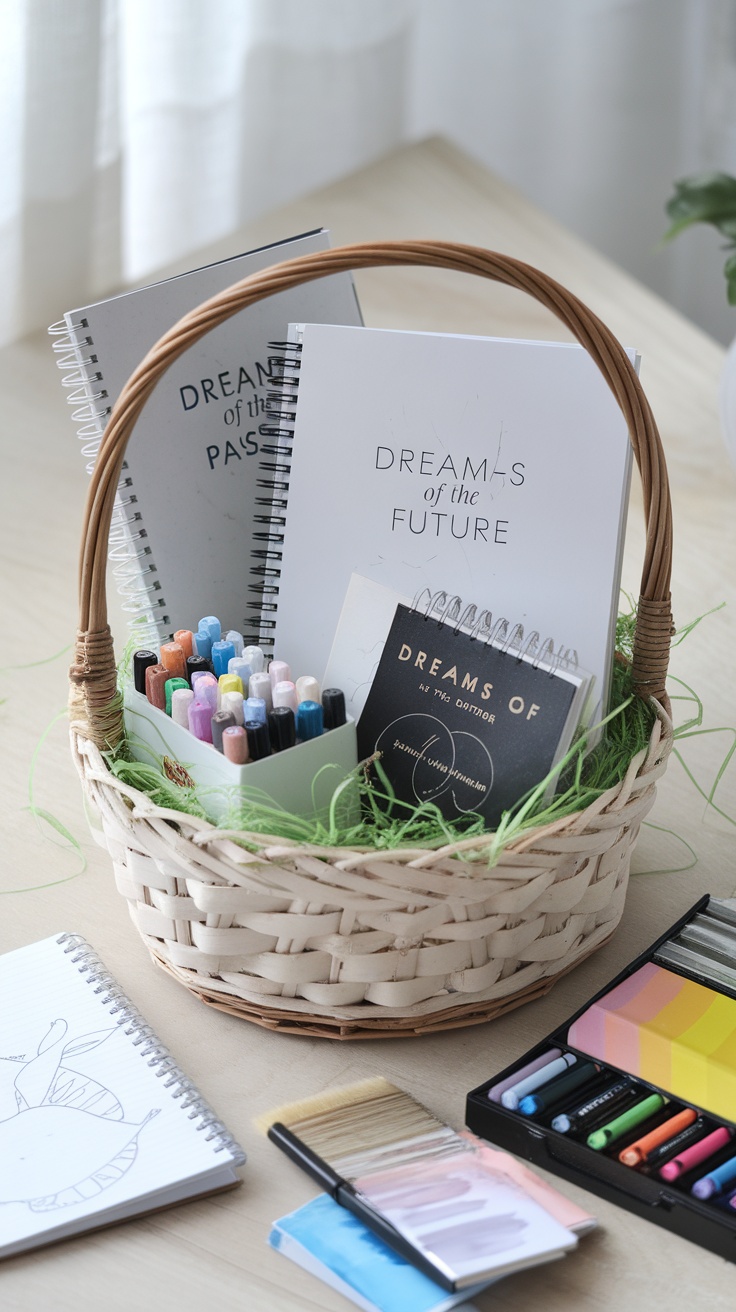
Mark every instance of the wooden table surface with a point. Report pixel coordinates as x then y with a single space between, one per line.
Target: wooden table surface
53 876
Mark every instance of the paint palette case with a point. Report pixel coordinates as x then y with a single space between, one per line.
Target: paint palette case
634 1097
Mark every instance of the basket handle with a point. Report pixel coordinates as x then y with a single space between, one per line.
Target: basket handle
94 703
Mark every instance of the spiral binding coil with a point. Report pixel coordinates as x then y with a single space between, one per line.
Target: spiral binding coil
142 1036
479 625
133 567
275 471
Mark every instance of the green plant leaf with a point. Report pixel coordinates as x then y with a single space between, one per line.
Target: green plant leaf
729 269
703 198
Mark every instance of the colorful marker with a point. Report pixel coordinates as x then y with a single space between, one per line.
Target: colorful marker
309 721
254 708
197 665
170 687
307 689
512 1097
185 638
495 1091
716 1180
333 705
236 639
142 661
156 676
260 686
279 672
233 702
235 744
211 625
229 683
221 720
255 658
284 694
602 1104
559 1089
200 721
699 1152
628 1120
203 642
222 653
636 1153
180 703
677 1143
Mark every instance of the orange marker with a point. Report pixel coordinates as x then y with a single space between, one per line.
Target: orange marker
173 657
156 677
184 638
636 1153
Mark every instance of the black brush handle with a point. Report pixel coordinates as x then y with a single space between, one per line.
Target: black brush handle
343 1193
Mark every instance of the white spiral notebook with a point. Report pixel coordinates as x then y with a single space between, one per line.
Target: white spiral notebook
97 1121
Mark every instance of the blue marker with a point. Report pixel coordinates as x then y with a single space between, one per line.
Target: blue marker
716 1180
203 642
309 720
254 708
512 1097
236 665
210 624
222 654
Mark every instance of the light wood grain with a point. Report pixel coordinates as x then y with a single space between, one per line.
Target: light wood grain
214 1253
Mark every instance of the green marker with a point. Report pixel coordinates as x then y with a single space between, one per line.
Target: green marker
626 1121
170 688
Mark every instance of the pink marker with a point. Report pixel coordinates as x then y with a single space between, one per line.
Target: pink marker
700 1152
279 672
181 700
235 744
206 689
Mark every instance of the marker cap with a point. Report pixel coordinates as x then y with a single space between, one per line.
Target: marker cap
254 708
222 652
156 676
170 687
221 720
333 705
229 683
203 642
233 702
282 728
180 702
236 639
255 658
210 624
307 689
185 638
236 665
309 720
200 721
259 744
235 744
142 660
284 694
205 690
260 686
279 672
197 665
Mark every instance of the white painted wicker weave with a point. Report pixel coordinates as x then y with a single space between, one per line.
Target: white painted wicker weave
355 943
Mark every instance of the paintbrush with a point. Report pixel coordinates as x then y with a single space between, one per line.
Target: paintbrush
416 1183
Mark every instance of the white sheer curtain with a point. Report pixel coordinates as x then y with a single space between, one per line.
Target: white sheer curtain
132 133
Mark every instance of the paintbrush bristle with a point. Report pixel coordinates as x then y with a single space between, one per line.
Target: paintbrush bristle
328 1101
364 1126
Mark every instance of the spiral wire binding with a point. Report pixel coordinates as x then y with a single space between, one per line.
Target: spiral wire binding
275 470
133 567
126 1014
479 625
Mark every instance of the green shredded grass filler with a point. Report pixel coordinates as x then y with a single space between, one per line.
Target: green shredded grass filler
386 823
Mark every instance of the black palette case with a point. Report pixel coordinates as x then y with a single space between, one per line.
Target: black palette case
711 1223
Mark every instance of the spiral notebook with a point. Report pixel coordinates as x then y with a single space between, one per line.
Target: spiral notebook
500 468
187 536
97 1121
467 711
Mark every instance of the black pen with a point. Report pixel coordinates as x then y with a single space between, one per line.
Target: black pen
342 1192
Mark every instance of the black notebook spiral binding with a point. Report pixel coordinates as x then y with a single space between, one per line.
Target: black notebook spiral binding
479 624
274 473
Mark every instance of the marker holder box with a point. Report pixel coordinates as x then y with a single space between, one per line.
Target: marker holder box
667 1204
300 780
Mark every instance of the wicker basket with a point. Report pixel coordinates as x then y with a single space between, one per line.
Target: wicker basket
353 943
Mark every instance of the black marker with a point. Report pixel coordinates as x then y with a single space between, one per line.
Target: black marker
333 705
282 728
259 743
618 1092
141 661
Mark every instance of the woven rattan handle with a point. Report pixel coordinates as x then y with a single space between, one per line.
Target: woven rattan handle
96 708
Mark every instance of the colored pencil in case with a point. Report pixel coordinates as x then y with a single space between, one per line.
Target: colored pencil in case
716 1180
495 1091
697 1154
602 1104
628 1120
678 1143
636 1153
513 1096
557 1090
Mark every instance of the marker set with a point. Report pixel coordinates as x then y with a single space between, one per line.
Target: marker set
635 1096
220 690
210 710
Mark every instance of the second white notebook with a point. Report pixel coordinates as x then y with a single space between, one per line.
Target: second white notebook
501 468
